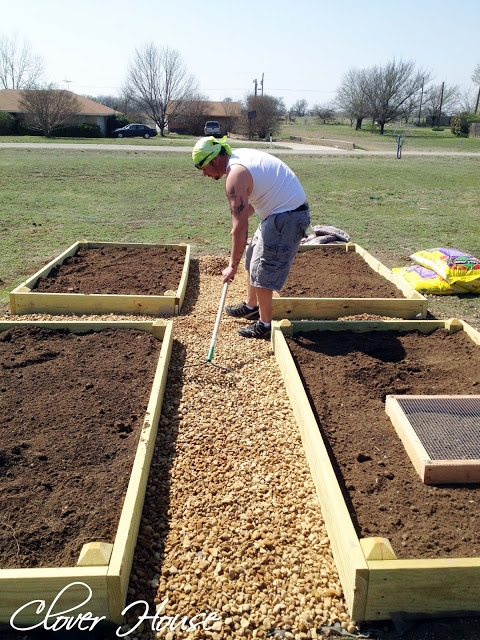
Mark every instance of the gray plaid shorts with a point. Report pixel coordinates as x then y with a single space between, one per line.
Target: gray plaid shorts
273 248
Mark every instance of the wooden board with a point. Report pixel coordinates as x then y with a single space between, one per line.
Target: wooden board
24 301
108 583
438 469
412 306
375 589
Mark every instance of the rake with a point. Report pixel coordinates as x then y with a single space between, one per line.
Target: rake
214 334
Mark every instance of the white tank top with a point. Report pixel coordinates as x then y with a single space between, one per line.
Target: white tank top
275 187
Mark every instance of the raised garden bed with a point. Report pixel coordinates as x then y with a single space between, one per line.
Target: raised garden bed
400 546
80 409
331 281
108 277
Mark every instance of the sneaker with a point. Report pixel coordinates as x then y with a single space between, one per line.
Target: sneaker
242 311
255 330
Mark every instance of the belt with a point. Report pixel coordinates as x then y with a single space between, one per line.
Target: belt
302 207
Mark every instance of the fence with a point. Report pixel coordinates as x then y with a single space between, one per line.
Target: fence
474 130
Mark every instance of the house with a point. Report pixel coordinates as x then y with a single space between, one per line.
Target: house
189 116
90 111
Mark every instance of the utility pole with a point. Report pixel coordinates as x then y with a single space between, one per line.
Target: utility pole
440 108
421 98
261 84
255 83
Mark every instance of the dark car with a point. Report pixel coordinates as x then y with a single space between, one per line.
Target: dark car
133 130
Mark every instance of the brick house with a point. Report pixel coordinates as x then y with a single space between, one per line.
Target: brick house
90 111
190 116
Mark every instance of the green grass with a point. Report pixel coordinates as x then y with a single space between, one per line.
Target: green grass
368 138
51 198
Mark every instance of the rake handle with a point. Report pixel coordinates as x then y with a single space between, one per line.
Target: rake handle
217 321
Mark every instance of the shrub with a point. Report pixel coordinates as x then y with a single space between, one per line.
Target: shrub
84 130
7 124
115 122
459 125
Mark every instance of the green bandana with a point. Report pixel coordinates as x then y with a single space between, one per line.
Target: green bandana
206 149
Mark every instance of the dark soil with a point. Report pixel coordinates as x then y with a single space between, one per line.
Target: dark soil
72 407
327 272
117 270
347 378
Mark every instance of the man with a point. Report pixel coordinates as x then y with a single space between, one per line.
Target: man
257 182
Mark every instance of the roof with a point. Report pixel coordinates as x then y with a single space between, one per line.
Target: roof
10 101
214 109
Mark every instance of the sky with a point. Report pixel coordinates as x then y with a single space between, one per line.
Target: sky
300 48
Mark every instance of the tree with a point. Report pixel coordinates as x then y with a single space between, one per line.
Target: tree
351 99
106 100
269 111
409 107
467 100
476 80
476 75
441 99
386 89
48 108
157 79
231 114
193 113
7 124
300 108
19 67
324 112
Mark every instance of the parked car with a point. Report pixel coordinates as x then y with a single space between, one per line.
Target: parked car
133 130
212 128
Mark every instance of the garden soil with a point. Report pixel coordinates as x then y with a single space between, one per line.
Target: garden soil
71 413
117 270
432 521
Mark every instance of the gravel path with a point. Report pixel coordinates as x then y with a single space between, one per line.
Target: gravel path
231 522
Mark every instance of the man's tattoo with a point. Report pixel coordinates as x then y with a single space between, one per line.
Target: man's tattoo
239 208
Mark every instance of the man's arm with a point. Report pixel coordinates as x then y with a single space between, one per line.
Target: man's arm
238 186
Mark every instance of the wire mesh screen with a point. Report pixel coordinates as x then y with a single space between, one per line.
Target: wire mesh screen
448 428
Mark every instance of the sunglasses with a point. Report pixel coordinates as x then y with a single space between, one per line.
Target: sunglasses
205 161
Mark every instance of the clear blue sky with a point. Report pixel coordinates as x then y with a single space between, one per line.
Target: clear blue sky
303 47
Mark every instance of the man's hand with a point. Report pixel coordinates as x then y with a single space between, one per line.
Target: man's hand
229 273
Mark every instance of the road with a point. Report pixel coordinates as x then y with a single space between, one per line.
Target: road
285 148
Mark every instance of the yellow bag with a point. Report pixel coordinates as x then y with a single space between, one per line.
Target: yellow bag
427 281
452 265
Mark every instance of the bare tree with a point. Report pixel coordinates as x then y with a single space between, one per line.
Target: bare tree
466 100
476 80
386 89
324 112
232 113
158 79
410 107
19 67
300 107
192 114
48 108
351 99
441 98
476 75
268 112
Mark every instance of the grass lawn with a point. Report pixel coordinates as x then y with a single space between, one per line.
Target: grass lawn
51 198
368 138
